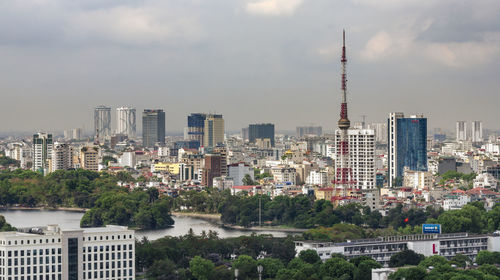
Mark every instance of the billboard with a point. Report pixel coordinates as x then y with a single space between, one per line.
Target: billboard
431 228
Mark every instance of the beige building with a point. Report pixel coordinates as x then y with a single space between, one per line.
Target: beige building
89 158
417 179
213 131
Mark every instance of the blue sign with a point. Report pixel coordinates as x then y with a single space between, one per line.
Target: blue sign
431 228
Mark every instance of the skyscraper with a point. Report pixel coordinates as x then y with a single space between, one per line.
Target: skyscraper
261 131
126 121
309 130
42 151
213 133
153 127
380 132
102 121
89 158
361 157
477 131
461 131
196 126
212 169
407 145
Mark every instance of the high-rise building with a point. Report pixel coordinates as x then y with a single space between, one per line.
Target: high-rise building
222 151
380 132
407 145
213 133
238 171
126 121
212 169
102 122
461 131
261 131
153 127
54 253
42 151
309 130
477 131
244 133
89 158
361 157
61 157
196 126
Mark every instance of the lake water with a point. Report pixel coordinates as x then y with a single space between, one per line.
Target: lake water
69 219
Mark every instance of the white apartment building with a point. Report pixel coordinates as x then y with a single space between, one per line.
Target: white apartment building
127 159
284 174
61 157
42 151
417 179
477 131
461 131
361 157
455 202
238 171
485 180
317 178
126 121
74 254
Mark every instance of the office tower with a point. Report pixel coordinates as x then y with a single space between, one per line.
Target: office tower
245 133
153 128
380 130
195 129
102 122
309 130
361 157
213 133
461 131
407 145
261 131
89 158
61 157
54 253
126 124
42 151
212 169
477 131
343 174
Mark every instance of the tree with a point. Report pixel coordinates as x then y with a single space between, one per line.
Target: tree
407 257
337 268
461 260
309 256
247 267
247 180
271 266
201 268
434 261
490 269
364 271
412 273
485 257
162 269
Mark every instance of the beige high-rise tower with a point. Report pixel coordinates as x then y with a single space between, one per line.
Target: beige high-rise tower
213 131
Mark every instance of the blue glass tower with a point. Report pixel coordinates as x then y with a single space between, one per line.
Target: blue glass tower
407 145
196 125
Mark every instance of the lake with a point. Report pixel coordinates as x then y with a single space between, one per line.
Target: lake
70 219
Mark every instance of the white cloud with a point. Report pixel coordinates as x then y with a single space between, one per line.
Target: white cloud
273 7
132 25
461 54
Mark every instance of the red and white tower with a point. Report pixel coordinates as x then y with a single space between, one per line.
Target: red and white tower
343 176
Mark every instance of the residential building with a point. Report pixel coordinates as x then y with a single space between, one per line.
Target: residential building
284 175
381 249
213 133
407 145
302 131
211 170
455 201
153 128
126 121
61 157
494 170
89 158
222 151
238 171
68 254
317 178
461 131
127 159
477 131
245 133
361 157
417 179
42 151
485 180
380 132
102 122
196 127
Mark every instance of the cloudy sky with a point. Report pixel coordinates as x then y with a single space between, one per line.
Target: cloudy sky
251 60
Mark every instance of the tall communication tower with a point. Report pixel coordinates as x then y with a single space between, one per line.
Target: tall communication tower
343 171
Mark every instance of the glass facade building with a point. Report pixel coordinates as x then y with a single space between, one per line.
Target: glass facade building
407 145
153 128
262 131
196 126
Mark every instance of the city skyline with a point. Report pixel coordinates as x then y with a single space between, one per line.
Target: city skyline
148 55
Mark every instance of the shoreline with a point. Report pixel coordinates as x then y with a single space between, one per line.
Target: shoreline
69 209
216 218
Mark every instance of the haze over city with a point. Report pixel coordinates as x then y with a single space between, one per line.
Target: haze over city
252 61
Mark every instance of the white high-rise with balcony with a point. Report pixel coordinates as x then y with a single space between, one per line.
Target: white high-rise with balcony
461 131
477 131
61 156
126 121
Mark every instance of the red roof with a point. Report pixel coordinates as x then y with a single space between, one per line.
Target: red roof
245 187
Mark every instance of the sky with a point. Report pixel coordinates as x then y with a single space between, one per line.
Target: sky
253 61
